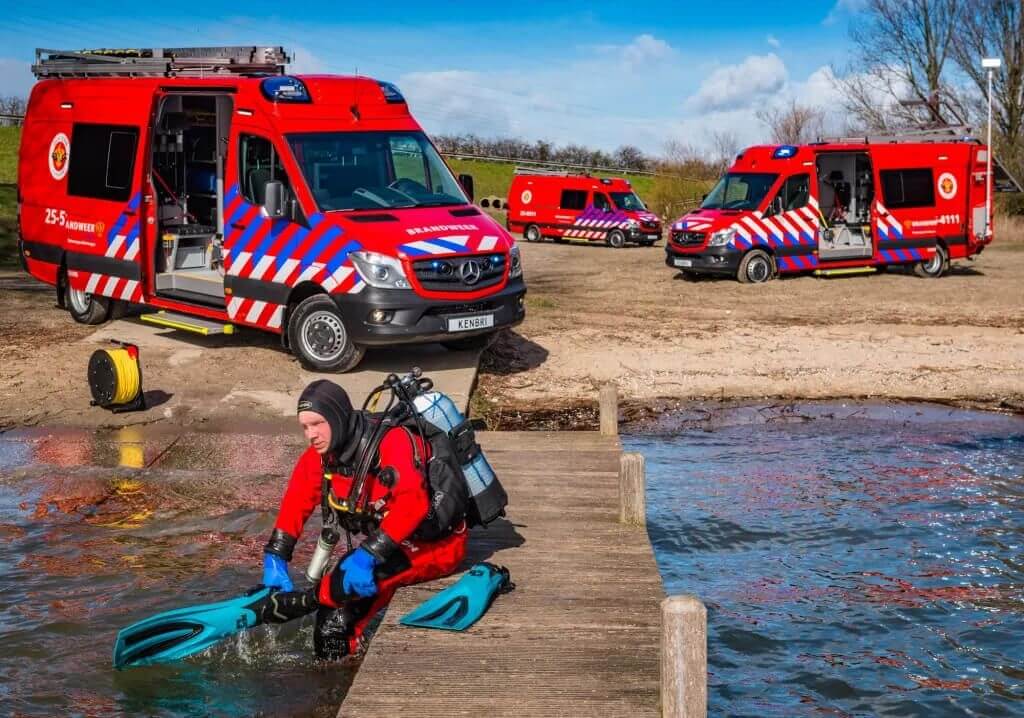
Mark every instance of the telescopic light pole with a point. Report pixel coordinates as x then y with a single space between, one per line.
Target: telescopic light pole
991 64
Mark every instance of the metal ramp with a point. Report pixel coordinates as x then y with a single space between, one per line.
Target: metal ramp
187 323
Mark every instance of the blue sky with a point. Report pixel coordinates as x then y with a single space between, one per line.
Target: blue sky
600 73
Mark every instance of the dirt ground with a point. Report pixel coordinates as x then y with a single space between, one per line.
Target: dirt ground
599 315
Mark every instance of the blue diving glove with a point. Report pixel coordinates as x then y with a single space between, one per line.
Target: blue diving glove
358 568
275 572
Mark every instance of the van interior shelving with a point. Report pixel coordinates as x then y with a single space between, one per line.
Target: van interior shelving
188 157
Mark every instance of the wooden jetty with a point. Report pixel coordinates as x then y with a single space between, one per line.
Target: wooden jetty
580 635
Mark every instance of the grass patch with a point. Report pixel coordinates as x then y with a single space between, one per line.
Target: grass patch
8 227
534 302
492 179
9 139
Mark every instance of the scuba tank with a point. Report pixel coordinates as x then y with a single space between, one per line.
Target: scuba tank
487 497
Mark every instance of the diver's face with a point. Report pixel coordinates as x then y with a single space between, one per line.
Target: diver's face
316 429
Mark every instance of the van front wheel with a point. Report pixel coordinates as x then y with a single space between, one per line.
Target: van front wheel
616 239
85 308
318 337
755 268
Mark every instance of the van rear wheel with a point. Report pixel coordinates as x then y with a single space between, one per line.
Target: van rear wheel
318 338
934 267
532 233
755 268
85 308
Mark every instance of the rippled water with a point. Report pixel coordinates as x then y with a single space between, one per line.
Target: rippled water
855 560
86 551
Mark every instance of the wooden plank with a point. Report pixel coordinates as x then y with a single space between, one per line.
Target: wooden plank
579 636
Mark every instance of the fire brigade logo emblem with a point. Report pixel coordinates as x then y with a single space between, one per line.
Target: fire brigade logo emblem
526 196
100 229
947 185
60 153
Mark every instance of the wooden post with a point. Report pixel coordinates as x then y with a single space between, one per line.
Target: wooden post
632 501
609 407
684 658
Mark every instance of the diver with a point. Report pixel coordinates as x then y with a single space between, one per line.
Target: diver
372 487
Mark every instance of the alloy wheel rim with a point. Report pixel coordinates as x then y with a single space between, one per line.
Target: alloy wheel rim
81 301
323 336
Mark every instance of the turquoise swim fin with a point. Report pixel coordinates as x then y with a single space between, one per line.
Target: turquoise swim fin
459 606
176 634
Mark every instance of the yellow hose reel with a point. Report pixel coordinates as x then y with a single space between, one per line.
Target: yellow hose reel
115 378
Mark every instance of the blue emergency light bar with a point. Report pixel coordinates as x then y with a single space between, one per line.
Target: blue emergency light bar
784 152
391 93
285 89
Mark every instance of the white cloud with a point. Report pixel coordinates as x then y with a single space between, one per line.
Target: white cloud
737 86
305 62
645 50
843 8
15 77
456 101
773 41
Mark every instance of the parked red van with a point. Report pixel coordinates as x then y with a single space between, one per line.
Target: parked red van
209 185
840 207
578 208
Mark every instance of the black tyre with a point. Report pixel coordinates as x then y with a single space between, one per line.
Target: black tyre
755 268
480 341
532 233
85 308
616 239
934 267
318 338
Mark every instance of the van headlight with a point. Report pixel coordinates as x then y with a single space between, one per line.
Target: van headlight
515 262
722 237
632 225
380 270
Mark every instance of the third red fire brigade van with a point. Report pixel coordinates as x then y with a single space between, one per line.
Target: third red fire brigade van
579 208
840 207
208 184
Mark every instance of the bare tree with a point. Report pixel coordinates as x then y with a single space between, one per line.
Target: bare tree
793 124
725 144
995 28
629 156
898 75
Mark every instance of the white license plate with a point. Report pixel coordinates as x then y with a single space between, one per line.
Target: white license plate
683 262
465 324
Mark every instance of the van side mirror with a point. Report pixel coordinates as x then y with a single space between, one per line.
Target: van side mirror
467 185
273 198
776 206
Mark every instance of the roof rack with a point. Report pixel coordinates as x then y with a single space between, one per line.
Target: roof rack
160 62
952 133
548 171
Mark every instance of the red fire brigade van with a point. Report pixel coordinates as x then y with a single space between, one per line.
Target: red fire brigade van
839 207
578 208
207 184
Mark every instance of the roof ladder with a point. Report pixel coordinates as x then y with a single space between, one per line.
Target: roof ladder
160 62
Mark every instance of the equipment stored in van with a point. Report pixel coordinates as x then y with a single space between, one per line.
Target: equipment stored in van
579 208
843 206
209 184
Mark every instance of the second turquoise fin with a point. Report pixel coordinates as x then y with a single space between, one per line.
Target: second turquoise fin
459 606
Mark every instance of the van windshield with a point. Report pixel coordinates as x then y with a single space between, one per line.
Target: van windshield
627 200
374 170
739 190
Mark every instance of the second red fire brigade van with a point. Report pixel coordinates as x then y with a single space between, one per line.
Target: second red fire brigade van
579 208
206 183
839 207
